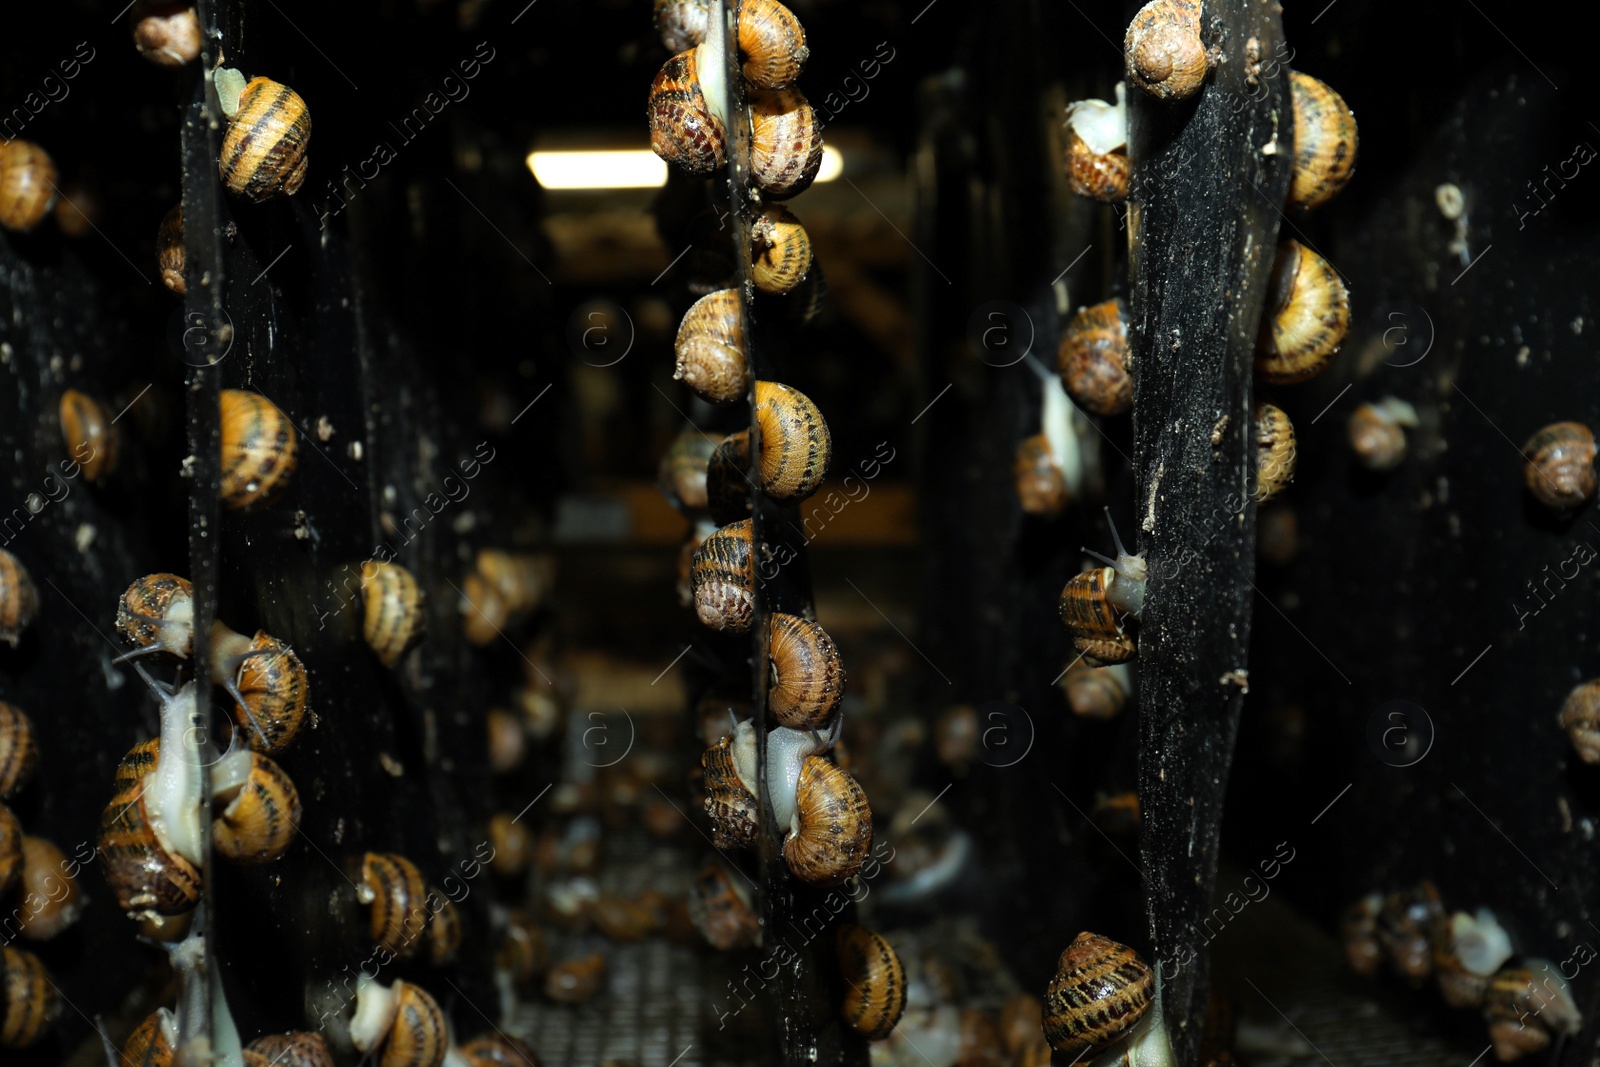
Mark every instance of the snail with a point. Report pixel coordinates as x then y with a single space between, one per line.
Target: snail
269 128
1358 930
1307 316
1101 989
1041 485
721 909
728 480
444 929
1097 692
259 449
710 349
1275 451
27 184
520 578
1469 950
19 598
730 772
498 1050
1560 465
1525 1007
956 736
730 777
19 753
682 24
785 142
830 830
47 891
393 887
1162 50
685 110
28 999
294 1049
621 919
166 32
723 577
1324 142
796 446
521 953
772 44
1580 717
807 675
401 1023
156 614
576 981
170 251
1406 927
1097 148
10 849
508 745
682 476
483 610
1116 814
260 808
1095 604
1093 358
874 979
152 1041
1378 433
395 615
512 842
90 434
780 249
1021 1023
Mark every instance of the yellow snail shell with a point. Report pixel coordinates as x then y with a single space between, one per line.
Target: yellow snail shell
723 577
780 250
1324 142
294 1049
395 615
1041 485
393 887
576 981
19 753
796 446
1407 924
874 980
1358 930
170 253
46 879
728 479
729 768
785 144
1097 692
1526 1007
90 434
1093 358
1275 451
498 1050
682 24
721 909
28 180
261 808
807 674
19 598
710 349
152 1041
1580 718
167 32
1378 433
682 476
683 129
402 1021
1306 318
29 1003
259 449
1100 990
832 827
264 150
10 849
772 44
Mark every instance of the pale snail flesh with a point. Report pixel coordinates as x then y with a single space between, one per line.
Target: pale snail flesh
721 909
1097 148
1559 467
1580 718
1093 358
47 893
1307 317
259 449
19 598
395 615
1378 433
1163 52
710 349
772 44
29 1003
1096 605
780 250
796 445
19 753
723 577
1324 142
730 774
1525 1007
807 673
1275 451
875 982
1101 989
1469 950
167 32
28 180
401 1023
264 150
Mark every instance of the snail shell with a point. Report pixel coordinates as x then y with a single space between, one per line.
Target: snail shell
786 142
259 449
19 598
512 842
710 349
1358 930
156 613
1093 358
295 1049
576 981
1097 692
140 761
780 249
1041 485
19 754
498 1050
170 252
522 579
395 617
807 675
1407 924
682 24
621 919
1324 142
47 892
1580 717
152 1042
147 875
772 44
1377 433
1096 624
393 887
27 184
89 433
721 909
832 826
728 479
261 808
270 690
167 32
1560 465
402 1021
508 745
1466 954
1275 451
27 996
264 150
444 930
875 982
484 611
682 476
1116 814
1100 990
10 849
1163 52
683 129
1097 148
1525 1007
1308 315
796 446
723 577
730 774
522 951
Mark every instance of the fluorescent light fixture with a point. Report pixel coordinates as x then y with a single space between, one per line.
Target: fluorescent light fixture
628 168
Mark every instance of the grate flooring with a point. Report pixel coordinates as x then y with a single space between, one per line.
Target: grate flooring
1332 1024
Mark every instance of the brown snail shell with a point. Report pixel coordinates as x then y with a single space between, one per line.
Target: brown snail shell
170 251
156 612
832 828
261 808
620 918
508 744
27 184
796 446
1377 433
19 598
683 129
682 24
710 349
1100 990
1163 52
1096 692
1525 1007
522 951
259 449
90 434
1041 485
1358 930
1097 626
167 32
728 479
772 44
264 150
780 249
498 1050
152 1041
682 475
785 144
1307 317
512 842
47 892
10 849
402 1023
1560 465
1580 718
19 753
522 579
147 877
395 615
723 577
1093 359
1275 451
1097 149
393 887
28 998
1116 814
875 982
721 909
294 1049
807 674
1407 924
729 768
270 688
1324 142
484 611
576 981
444 930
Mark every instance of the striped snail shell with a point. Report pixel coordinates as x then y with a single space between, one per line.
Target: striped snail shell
259 449
300 1048
1526 1007
723 577
264 150
170 252
728 479
1324 142
268 684
576 981
1378 435
140 761
89 433
1358 930
484 611
10 849
796 446
19 753
1580 717
710 349
1307 317
1096 604
684 130
1275 451
27 184
875 982
1093 358
721 909
1466 954
395 616
166 32
147 876
498 1050
152 1041
1560 465
785 142
1407 924
521 578
682 24
401 1023
831 830
807 675
1163 52
1097 692
260 808
19 598
730 776
1116 814
1097 148
444 930
1041 485
28 1000
682 477
512 842
47 892
1100 990
156 614
521 953
772 44
393 887
780 249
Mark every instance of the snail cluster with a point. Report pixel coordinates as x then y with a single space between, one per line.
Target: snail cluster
502 586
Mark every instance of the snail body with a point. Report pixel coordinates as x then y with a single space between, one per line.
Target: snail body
875 982
831 829
1095 604
1469 950
261 808
710 349
19 753
1324 142
796 445
19 598
1307 317
1100 991
395 616
1559 471
46 878
259 449
1275 451
1378 433
90 434
807 673
772 44
1163 51
721 909
722 576
780 249
1093 358
167 32
785 142
27 184
28 999
1580 718
393 887
401 1023
264 150
1097 148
